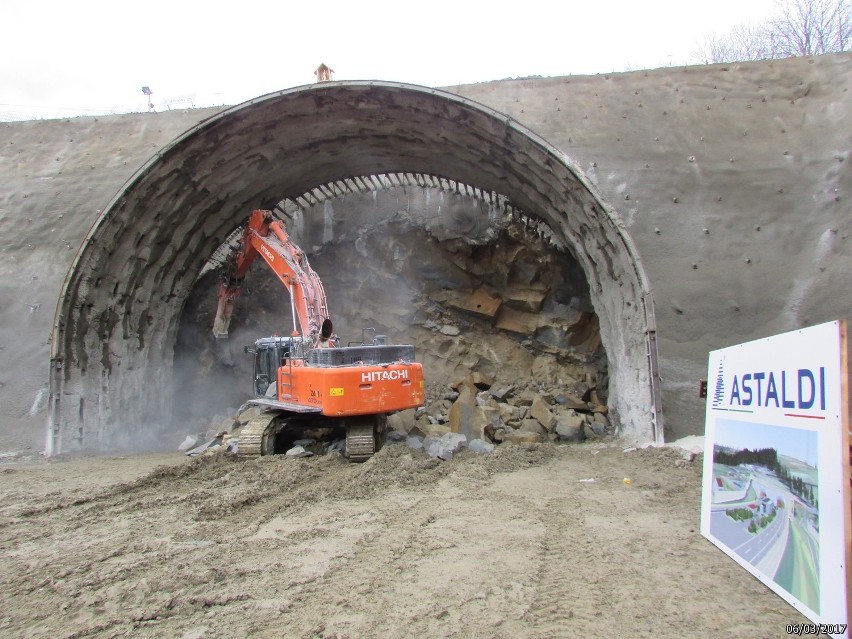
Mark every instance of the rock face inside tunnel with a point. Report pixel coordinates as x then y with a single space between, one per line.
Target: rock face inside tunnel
417 264
112 349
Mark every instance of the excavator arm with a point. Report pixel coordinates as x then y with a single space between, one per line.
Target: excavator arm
267 237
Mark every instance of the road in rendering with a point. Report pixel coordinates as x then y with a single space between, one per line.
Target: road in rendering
786 551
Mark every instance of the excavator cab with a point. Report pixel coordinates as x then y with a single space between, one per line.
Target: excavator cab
265 358
269 354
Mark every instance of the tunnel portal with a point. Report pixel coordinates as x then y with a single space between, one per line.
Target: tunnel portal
112 348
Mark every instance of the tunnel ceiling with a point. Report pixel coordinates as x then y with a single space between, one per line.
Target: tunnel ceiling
116 321
288 208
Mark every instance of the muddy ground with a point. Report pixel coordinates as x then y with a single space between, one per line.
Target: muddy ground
516 544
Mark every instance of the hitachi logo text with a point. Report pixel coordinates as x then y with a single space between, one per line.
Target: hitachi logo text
267 253
383 376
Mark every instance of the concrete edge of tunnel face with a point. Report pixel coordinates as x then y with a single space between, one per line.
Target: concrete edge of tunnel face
116 319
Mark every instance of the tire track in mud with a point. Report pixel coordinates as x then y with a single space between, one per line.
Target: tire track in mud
92 555
101 500
571 586
126 535
407 537
551 612
365 578
353 587
554 600
410 572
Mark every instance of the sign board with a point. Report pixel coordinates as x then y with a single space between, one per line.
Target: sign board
776 485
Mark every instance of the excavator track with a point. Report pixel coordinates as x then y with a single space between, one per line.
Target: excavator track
255 437
364 437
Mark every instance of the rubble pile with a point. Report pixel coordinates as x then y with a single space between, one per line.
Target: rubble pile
477 408
476 413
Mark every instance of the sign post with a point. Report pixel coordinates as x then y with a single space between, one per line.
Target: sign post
776 487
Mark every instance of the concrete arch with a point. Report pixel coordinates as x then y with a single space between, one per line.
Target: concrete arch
116 320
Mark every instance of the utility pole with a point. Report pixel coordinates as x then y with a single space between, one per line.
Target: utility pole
147 91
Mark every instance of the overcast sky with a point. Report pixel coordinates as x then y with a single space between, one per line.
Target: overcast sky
797 443
66 58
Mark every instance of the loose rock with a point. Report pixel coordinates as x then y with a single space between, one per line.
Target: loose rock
541 412
532 426
481 447
467 419
191 441
500 393
569 427
445 447
402 421
571 400
523 437
298 451
396 436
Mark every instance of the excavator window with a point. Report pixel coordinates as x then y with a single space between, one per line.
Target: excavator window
265 368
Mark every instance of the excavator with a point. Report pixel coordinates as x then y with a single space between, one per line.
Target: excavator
307 380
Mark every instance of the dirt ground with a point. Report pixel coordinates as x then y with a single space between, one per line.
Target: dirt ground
520 543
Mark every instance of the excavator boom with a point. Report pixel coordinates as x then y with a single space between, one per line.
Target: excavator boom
266 237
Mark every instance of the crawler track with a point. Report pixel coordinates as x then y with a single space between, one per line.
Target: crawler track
363 438
364 435
255 437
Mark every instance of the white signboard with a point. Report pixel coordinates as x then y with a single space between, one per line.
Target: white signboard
776 493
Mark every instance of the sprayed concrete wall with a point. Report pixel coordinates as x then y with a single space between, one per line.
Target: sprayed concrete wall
55 179
733 181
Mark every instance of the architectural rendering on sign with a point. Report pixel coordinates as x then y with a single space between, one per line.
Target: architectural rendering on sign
775 486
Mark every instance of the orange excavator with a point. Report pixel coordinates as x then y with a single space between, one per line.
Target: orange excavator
307 381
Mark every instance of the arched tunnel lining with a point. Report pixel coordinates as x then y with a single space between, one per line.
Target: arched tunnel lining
116 321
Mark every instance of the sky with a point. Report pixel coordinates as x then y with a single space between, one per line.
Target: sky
797 443
90 57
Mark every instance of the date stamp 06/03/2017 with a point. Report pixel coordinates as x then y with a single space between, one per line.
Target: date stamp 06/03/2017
801 629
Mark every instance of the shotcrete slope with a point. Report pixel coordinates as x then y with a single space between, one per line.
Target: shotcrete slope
56 177
732 179
734 182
